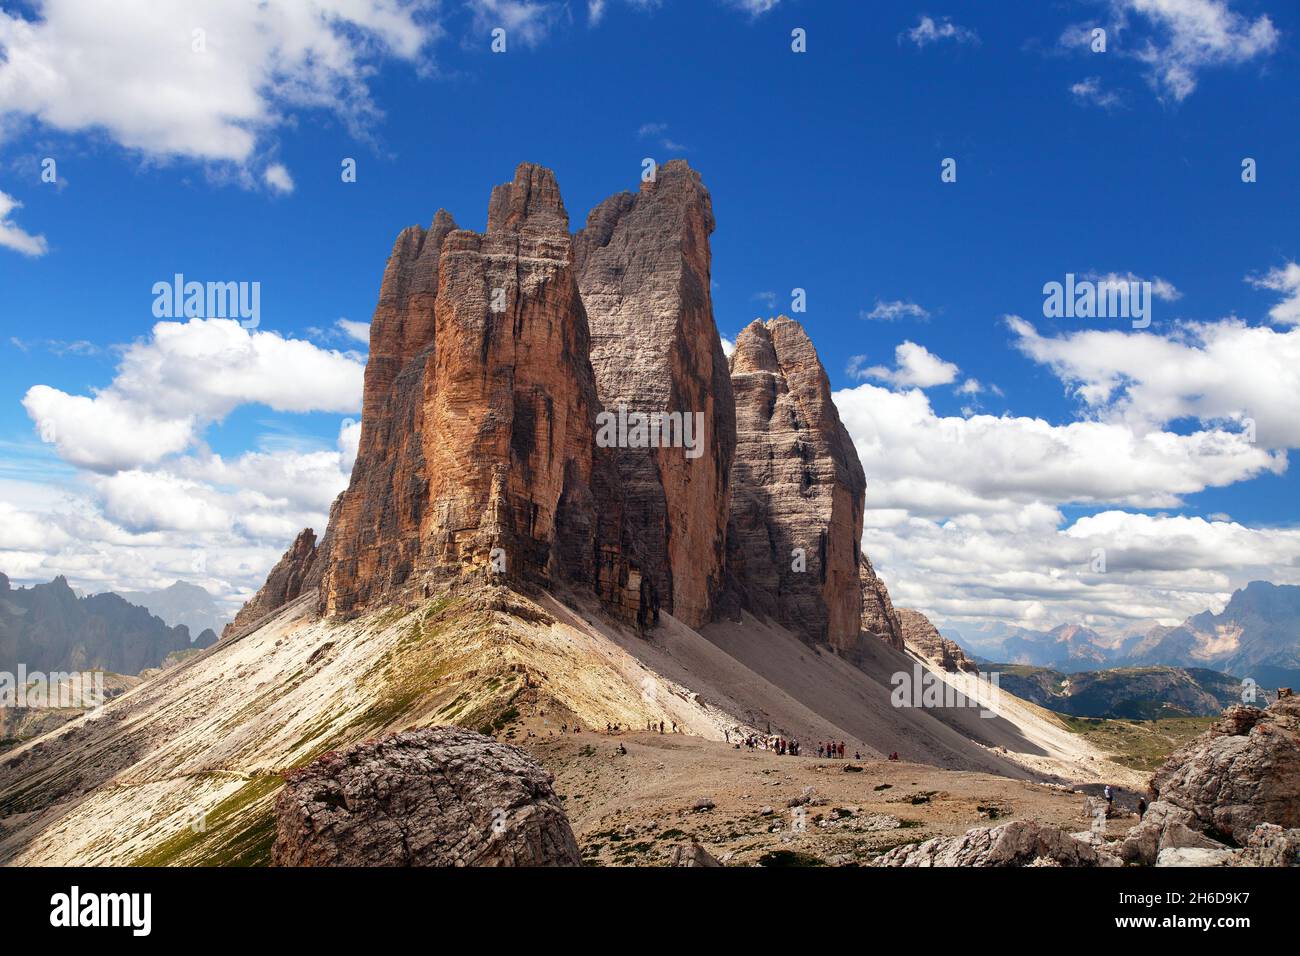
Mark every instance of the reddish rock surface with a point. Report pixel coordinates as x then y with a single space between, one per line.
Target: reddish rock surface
378 520
479 412
643 270
797 489
287 580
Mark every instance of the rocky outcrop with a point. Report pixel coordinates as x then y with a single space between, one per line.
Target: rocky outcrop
925 639
692 855
879 619
1216 790
1270 845
477 450
434 797
643 271
1019 843
797 489
284 584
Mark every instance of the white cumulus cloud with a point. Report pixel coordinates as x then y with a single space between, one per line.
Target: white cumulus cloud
202 79
15 238
186 376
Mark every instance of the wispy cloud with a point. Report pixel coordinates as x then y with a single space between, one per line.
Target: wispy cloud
1162 289
928 31
658 132
1090 92
12 236
915 367
1286 280
1177 40
525 21
277 177
895 310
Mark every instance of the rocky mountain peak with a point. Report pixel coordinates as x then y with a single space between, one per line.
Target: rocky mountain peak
797 489
924 638
643 266
478 452
292 574
880 621
530 203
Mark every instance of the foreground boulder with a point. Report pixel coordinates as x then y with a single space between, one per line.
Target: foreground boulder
1019 843
433 797
692 855
1270 845
1215 791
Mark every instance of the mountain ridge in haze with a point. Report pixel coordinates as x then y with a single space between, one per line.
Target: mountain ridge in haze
1256 635
47 627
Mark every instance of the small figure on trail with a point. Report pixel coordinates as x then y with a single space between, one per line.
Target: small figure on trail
1142 807
1110 795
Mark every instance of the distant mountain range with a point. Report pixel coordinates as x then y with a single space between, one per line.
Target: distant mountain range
182 603
1135 693
1257 636
49 628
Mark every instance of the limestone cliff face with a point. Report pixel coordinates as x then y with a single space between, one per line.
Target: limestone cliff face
287 580
879 619
477 445
797 489
643 271
924 638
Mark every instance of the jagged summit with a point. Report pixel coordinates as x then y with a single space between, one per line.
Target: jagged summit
492 357
522 553
477 428
797 489
643 266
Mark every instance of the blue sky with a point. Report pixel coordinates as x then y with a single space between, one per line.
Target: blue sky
1002 453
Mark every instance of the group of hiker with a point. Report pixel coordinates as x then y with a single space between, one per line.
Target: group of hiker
1108 792
775 743
650 727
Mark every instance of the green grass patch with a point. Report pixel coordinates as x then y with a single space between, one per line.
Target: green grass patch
1139 744
237 832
